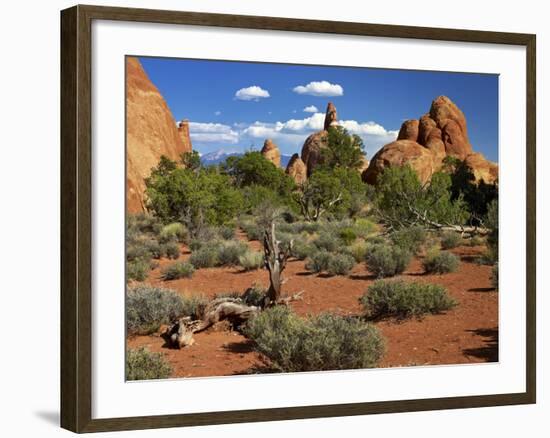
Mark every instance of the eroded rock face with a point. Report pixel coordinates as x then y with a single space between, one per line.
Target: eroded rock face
271 152
400 153
151 132
311 150
441 133
331 116
297 169
183 129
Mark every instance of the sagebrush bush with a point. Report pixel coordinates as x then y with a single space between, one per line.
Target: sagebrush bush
440 262
254 296
494 276
204 257
387 261
340 264
324 342
141 364
252 230
347 235
359 251
251 260
363 227
410 239
196 244
148 307
178 270
318 261
143 223
403 299
226 233
230 251
173 232
170 250
137 250
302 249
137 269
450 240
328 242
476 241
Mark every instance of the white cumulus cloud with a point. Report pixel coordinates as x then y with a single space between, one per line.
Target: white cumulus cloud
311 109
321 88
212 132
252 93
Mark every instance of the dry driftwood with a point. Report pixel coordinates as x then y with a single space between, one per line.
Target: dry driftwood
233 309
275 262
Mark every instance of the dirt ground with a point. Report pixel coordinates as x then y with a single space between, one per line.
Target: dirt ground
466 334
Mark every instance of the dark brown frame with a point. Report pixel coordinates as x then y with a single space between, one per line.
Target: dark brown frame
76 238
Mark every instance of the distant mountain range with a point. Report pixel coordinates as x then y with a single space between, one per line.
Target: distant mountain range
218 157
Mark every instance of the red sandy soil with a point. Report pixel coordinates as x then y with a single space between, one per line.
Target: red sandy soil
466 334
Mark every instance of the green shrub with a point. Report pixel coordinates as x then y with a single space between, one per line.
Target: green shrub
410 239
387 261
359 251
254 296
170 250
193 306
403 299
302 249
324 342
252 230
363 227
137 270
137 250
229 253
450 240
141 364
178 270
328 242
195 244
494 276
148 307
476 241
340 264
173 232
318 261
347 235
440 262
143 223
205 257
251 260
227 233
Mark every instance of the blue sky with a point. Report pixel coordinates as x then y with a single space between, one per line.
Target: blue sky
235 106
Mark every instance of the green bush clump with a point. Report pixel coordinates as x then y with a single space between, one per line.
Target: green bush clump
254 296
302 249
252 230
137 270
387 261
318 261
340 264
137 251
403 300
178 270
141 364
476 241
328 242
174 231
251 260
143 223
196 244
148 307
450 240
347 235
363 227
494 276
170 250
324 342
440 262
205 257
227 233
229 252
359 251
410 239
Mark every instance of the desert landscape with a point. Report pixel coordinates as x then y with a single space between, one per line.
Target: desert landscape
323 259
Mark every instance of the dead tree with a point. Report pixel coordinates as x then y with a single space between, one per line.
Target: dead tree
275 259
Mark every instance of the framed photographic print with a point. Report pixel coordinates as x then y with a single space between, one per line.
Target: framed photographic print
268 219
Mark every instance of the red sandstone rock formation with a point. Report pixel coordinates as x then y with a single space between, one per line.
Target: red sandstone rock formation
150 132
297 169
271 152
331 116
423 144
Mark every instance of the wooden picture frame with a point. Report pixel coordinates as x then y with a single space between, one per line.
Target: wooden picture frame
76 217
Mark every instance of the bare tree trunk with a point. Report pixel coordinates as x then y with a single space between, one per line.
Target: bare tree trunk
275 261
